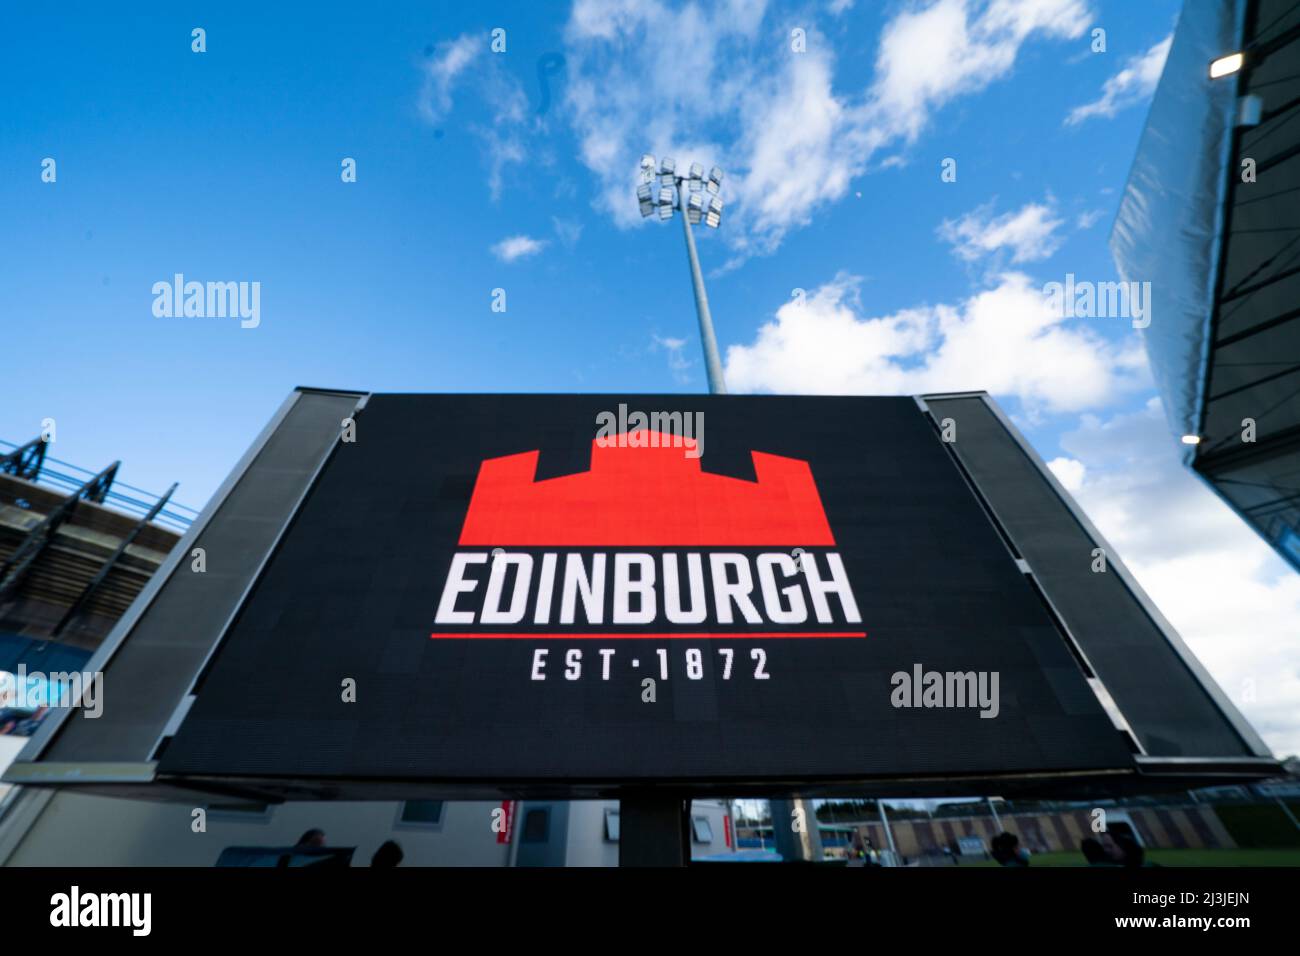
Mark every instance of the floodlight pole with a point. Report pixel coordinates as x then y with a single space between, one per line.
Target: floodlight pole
889 834
654 830
997 821
712 364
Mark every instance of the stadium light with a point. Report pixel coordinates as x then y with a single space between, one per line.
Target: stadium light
1191 439
695 208
696 205
1254 53
714 215
1227 65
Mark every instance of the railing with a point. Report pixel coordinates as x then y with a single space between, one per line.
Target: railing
67 477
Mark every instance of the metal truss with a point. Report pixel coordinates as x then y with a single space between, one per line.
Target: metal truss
25 461
39 537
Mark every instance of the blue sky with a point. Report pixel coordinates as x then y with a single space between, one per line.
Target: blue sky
225 166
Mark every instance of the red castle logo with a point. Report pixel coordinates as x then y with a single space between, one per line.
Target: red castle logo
648 494
642 492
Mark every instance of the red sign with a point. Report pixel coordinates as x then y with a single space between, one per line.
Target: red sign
737 564
648 493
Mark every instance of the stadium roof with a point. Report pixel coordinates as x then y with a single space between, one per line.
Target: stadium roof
1211 218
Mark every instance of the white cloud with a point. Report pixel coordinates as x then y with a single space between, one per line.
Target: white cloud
677 360
836 7
798 150
501 122
441 72
1134 83
1231 598
1030 233
1005 339
569 230
1090 218
1069 472
518 247
931 53
736 96
503 149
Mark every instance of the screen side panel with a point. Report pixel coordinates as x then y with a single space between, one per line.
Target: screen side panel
153 669
1168 708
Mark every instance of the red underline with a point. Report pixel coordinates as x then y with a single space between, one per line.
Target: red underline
616 636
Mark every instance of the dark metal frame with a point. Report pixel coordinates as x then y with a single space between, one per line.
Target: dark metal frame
39 538
25 461
1222 702
101 576
654 831
124 777
1209 459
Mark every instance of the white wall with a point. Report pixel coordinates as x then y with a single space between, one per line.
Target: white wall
715 810
587 845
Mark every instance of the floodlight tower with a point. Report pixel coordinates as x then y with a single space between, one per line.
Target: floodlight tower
699 200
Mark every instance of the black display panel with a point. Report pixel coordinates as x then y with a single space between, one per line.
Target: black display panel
499 577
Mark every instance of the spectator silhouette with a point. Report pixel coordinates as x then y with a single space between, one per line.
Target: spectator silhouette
1006 849
312 839
1125 849
1131 852
390 854
1095 853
